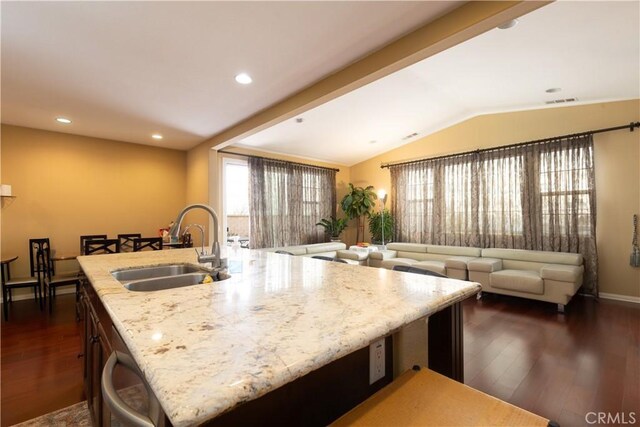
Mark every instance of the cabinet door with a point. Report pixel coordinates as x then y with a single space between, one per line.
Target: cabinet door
93 366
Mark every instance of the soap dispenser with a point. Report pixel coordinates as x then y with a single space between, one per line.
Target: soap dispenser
235 256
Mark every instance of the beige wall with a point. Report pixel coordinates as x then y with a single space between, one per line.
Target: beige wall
617 161
67 185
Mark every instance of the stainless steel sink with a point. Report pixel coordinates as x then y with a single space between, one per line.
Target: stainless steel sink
157 271
170 282
161 277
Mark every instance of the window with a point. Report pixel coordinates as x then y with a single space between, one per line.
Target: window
500 200
565 192
287 200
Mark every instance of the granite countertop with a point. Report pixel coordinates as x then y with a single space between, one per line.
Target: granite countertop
206 348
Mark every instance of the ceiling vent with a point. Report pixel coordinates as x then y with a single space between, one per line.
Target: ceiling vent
410 136
561 101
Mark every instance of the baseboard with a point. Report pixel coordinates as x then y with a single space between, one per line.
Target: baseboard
617 297
31 296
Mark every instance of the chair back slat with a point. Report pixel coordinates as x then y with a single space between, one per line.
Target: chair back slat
101 246
126 241
86 237
152 243
34 246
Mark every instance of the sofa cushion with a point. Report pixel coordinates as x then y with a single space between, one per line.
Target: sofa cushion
354 255
458 262
436 266
324 247
389 263
518 280
454 250
408 247
486 265
546 257
562 273
383 254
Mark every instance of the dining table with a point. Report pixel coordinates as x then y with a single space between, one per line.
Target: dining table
5 260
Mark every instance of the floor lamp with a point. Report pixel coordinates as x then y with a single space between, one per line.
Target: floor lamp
382 195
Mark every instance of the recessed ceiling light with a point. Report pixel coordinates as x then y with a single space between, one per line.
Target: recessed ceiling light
244 78
373 141
553 90
508 24
63 120
156 136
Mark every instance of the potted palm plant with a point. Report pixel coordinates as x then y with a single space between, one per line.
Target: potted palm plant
376 225
357 204
333 227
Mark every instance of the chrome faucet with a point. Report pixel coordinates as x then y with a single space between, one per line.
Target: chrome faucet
214 258
201 228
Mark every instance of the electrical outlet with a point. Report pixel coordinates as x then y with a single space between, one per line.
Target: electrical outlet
376 361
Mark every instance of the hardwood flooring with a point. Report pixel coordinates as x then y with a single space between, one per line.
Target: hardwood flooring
521 351
41 371
558 366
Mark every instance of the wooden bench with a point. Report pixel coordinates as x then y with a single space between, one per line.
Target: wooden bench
421 397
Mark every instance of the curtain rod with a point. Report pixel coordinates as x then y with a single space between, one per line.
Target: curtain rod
631 126
278 160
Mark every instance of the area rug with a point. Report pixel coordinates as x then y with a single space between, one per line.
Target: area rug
72 416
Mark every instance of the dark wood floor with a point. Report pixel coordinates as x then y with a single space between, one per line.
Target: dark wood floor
558 366
41 371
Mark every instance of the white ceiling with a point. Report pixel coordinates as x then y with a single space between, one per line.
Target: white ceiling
589 49
124 70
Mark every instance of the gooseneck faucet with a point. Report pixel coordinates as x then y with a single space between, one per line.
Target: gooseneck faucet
214 257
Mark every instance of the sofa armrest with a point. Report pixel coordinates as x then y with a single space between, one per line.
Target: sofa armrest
458 262
562 273
487 265
382 255
354 255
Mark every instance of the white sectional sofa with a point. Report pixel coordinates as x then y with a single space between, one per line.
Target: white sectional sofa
541 275
448 260
330 249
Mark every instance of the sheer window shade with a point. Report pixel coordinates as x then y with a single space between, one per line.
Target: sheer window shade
537 196
286 201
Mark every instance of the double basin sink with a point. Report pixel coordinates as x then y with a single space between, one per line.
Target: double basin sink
161 277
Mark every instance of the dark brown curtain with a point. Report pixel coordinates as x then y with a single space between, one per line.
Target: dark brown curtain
286 201
536 196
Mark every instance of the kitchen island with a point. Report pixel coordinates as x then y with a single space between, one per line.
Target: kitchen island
205 349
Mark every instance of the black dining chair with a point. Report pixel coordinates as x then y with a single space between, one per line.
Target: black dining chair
86 237
126 241
152 243
33 281
50 281
101 246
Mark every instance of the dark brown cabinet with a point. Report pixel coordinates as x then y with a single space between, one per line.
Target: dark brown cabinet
96 350
99 340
